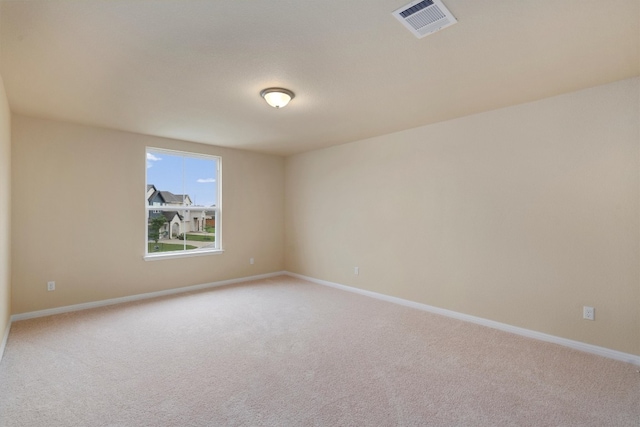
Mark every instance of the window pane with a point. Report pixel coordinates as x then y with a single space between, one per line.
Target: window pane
200 181
163 232
164 172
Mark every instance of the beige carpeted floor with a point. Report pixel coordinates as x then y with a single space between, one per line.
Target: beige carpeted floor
284 352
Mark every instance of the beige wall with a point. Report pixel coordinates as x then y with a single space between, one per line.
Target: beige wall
5 211
520 215
78 216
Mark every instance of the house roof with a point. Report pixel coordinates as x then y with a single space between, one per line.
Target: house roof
183 196
193 70
167 214
169 197
171 215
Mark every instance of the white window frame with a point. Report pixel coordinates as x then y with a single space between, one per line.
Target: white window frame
182 210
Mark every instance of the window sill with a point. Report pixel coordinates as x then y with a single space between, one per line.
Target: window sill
168 255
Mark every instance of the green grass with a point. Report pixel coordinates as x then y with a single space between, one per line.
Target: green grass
166 247
200 238
210 229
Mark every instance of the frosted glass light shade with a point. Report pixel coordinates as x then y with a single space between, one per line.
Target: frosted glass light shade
277 97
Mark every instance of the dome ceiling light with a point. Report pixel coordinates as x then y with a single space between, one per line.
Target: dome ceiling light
277 97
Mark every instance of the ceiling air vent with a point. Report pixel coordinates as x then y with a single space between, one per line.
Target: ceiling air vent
425 17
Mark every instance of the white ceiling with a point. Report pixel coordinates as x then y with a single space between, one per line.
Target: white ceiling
193 70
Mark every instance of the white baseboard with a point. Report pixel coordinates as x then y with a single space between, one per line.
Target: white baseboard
5 337
576 345
112 301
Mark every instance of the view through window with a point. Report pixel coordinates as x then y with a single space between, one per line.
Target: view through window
183 203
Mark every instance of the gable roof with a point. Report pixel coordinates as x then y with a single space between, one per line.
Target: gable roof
169 215
169 197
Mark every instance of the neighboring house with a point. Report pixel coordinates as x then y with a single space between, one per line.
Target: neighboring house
177 222
173 226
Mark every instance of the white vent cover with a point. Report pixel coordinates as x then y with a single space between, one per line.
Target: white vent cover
425 17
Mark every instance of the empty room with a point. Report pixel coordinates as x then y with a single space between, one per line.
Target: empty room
327 213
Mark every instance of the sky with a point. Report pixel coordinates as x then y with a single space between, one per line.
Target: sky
179 174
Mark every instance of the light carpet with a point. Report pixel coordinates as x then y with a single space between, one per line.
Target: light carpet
285 352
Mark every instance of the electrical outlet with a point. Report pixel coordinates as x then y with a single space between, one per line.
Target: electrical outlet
356 270
589 313
251 261
51 286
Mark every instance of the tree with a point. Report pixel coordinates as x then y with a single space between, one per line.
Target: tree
154 227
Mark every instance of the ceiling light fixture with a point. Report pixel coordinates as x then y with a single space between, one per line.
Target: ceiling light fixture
277 97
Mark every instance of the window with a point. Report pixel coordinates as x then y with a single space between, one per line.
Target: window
182 204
